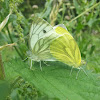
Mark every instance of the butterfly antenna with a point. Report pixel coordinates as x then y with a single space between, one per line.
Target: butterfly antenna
40 66
78 73
71 71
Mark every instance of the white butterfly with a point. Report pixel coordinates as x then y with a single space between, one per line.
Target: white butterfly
40 36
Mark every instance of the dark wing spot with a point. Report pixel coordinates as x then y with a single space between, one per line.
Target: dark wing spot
44 31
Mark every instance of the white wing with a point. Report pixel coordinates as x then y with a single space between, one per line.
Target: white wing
42 47
40 29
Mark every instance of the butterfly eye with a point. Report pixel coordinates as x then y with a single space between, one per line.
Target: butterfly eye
44 31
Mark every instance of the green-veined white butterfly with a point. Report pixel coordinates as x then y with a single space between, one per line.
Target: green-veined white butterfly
65 49
40 36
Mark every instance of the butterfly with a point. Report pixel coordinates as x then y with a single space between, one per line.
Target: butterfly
40 36
65 48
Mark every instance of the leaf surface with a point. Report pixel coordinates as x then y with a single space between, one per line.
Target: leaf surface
55 81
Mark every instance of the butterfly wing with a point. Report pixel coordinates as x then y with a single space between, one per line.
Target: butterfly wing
65 48
39 29
42 47
41 35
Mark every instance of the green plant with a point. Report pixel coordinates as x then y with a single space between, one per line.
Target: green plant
82 19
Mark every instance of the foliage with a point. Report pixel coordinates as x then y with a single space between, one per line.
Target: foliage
55 85
4 89
82 19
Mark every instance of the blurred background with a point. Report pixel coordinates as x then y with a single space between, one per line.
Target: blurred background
81 17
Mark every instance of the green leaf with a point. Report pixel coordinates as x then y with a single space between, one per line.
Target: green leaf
4 22
91 22
77 6
55 81
4 89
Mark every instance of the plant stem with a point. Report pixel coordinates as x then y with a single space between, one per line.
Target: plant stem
2 73
85 12
14 46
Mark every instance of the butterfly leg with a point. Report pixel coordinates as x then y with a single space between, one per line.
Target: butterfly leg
45 63
71 71
84 71
25 59
31 64
40 66
78 73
